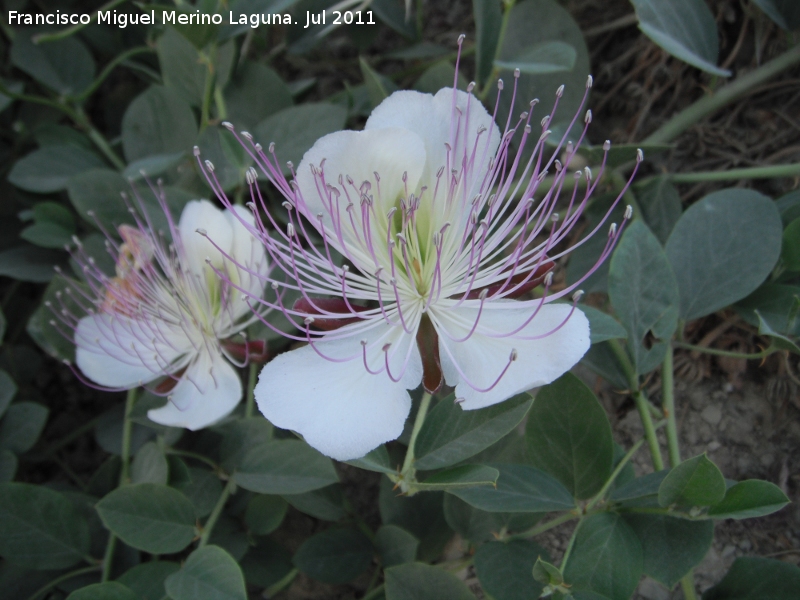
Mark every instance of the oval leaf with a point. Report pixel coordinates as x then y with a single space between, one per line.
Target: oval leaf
547 57
569 436
505 570
748 499
210 573
50 168
40 528
416 581
158 121
395 545
284 467
335 555
722 248
756 578
694 482
147 579
154 518
110 590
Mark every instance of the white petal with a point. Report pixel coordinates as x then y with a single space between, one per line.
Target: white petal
482 358
359 155
116 351
208 391
340 409
430 117
201 214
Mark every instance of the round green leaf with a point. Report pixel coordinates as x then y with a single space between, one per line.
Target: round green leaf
49 169
606 557
644 294
395 545
202 490
239 437
181 67
209 573
602 327
684 28
756 578
335 555
295 129
661 206
722 248
671 546
790 252
40 528
776 303
30 263
284 467
110 590
451 434
265 513
325 503
267 563
480 526
8 389
22 425
540 59
149 465
694 482
8 465
569 436
748 499
151 517
65 66
488 21
505 569
255 93
158 121
147 579
520 488
416 581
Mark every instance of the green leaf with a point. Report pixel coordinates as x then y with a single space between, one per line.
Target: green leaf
790 250
786 13
202 490
464 476
541 59
420 50
756 578
325 503
40 528
748 499
568 435
30 263
644 293
284 467
49 169
334 555
154 518
505 569
778 340
158 121
451 434
264 514
775 303
606 557
601 359
22 425
46 235
546 573
147 579
488 22
65 66
8 465
110 590
376 460
437 76
181 67
620 154
602 327
255 93
643 489
267 563
722 248
209 573
8 389
149 465
480 526
395 545
684 28
671 546
661 206
544 21
520 488
378 87
230 160
295 129
416 581
151 166
241 435
695 482
393 14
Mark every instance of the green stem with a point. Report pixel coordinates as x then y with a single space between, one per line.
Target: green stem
108 557
52 37
250 401
407 472
642 404
280 585
65 577
208 527
208 92
508 4
99 140
687 585
127 427
196 456
570 545
725 95
668 402
615 474
219 101
755 356
108 69
538 529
